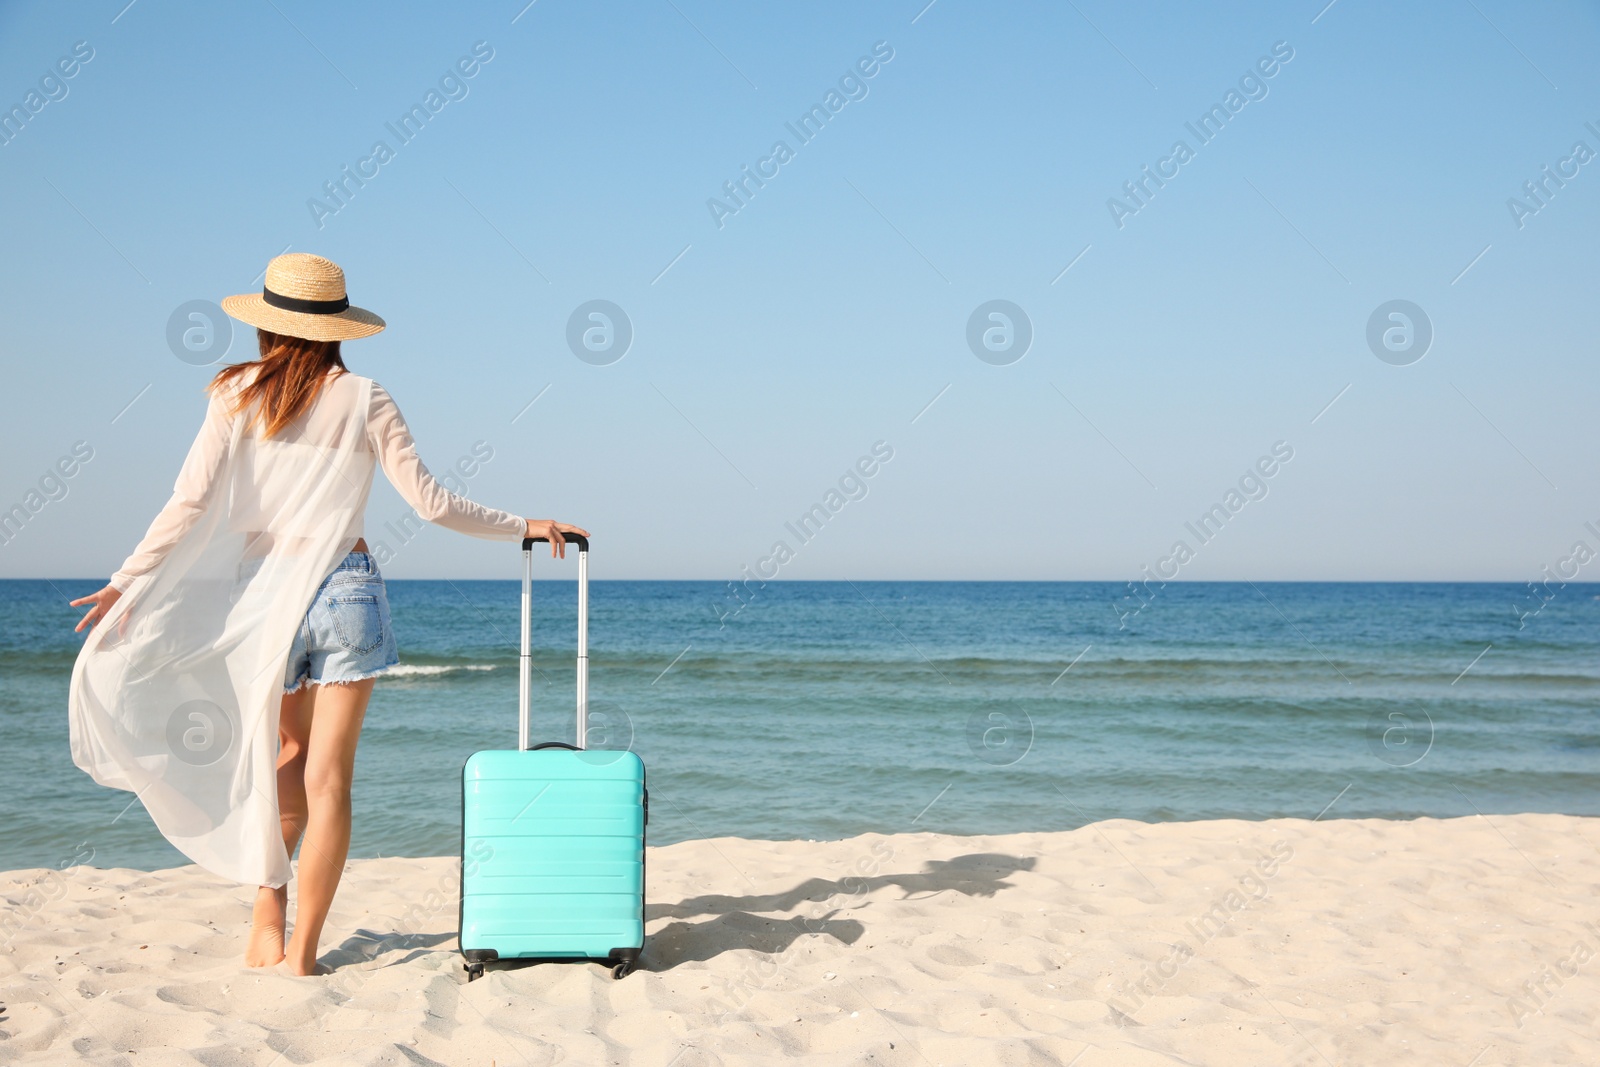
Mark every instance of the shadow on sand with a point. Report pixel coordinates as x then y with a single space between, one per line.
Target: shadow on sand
736 924
364 946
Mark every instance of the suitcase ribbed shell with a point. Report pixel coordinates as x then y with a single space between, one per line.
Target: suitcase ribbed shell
553 849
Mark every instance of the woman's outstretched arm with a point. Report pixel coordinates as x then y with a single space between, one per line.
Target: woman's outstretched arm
397 454
182 510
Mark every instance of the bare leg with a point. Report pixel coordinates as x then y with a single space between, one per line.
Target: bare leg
337 713
268 919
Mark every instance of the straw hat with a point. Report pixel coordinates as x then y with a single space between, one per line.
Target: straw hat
304 296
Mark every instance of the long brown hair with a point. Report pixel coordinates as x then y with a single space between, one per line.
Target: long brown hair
289 375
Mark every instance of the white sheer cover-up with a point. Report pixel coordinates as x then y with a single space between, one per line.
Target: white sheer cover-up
176 691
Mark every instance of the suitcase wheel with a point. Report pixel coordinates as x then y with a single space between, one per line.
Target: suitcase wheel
474 970
621 969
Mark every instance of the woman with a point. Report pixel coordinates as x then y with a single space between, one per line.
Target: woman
207 685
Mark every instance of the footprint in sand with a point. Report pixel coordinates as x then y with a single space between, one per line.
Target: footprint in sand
953 956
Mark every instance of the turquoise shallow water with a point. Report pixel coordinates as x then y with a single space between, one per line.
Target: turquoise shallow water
826 709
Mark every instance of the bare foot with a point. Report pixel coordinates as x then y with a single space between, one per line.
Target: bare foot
267 920
299 969
299 959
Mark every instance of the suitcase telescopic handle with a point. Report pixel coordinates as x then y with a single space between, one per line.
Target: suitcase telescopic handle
572 539
525 663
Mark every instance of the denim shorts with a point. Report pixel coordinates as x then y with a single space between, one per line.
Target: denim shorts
345 635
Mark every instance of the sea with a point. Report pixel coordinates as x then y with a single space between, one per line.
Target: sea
822 710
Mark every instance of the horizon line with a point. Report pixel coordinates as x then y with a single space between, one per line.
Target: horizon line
979 581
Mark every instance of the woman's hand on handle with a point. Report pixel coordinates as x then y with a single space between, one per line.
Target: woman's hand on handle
552 531
102 601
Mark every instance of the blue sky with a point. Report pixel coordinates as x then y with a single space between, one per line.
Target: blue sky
772 351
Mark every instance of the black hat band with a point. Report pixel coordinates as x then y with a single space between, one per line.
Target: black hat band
309 307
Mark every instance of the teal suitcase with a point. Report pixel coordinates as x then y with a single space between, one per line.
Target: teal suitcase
552 835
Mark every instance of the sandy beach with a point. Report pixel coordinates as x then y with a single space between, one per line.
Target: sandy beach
1456 941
